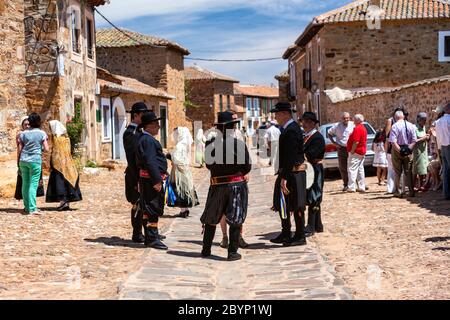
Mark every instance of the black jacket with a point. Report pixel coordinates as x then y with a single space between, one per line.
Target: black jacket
150 157
130 140
232 149
315 148
290 149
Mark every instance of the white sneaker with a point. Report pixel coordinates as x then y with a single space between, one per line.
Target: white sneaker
36 213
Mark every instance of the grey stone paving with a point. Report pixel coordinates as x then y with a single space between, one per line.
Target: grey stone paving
267 271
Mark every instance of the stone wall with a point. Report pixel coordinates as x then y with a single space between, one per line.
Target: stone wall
206 95
379 107
12 89
401 52
158 67
12 74
53 94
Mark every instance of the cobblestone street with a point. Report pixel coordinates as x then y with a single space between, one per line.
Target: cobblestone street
374 247
267 271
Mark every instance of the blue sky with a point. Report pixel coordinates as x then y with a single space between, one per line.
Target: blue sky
228 29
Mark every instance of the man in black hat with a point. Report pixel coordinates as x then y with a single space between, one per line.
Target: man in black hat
130 141
290 186
314 146
152 165
228 160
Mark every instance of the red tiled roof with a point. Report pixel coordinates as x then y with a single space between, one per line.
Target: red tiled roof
198 73
391 10
113 38
256 91
116 83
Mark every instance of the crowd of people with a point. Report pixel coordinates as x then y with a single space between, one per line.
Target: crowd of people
63 185
409 157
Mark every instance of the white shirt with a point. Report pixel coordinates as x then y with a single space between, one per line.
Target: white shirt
287 124
443 131
341 132
272 134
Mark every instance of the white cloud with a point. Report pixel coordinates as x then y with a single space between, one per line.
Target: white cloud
119 10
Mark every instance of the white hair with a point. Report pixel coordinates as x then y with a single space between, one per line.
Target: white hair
344 115
399 115
359 117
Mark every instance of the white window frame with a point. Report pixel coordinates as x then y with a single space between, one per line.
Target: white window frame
442 36
106 102
89 18
248 104
256 107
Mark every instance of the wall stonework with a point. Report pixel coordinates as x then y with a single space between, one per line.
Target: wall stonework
206 95
12 73
53 95
379 107
161 68
401 52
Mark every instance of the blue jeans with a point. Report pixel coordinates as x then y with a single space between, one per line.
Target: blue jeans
445 151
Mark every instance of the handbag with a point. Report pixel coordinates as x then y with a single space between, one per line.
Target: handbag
405 151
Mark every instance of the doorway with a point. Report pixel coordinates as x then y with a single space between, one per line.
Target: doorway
119 125
163 131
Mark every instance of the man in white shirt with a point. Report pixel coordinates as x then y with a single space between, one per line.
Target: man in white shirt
272 137
339 134
443 142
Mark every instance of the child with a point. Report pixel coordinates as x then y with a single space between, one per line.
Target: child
380 159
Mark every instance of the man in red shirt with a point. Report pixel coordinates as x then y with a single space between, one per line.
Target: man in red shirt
357 148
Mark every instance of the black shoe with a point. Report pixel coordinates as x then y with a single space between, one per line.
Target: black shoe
138 239
282 238
234 256
242 243
309 232
184 214
319 230
64 207
295 241
161 237
206 253
345 189
156 244
224 243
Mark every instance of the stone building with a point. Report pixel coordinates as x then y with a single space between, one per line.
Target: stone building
12 88
61 66
156 62
368 44
117 96
378 105
210 93
257 102
283 86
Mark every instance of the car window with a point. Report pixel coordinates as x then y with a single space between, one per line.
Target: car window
369 129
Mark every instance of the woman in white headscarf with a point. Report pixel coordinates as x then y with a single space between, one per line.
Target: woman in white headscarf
181 175
63 184
200 141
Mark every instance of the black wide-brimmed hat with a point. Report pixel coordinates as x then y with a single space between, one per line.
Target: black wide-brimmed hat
281 106
225 118
310 116
149 117
138 107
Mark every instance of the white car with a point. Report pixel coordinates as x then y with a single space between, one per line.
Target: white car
331 161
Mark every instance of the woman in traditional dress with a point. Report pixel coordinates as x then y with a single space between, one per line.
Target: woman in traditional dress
200 148
181 176
63 184
420 153
25 125
380 159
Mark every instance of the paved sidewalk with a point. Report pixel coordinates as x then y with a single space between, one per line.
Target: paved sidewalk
267 271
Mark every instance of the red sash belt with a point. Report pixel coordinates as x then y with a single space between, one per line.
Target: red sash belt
145 174
227 180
